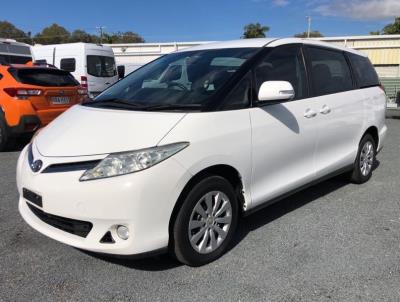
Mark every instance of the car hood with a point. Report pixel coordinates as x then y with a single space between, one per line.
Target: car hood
84 131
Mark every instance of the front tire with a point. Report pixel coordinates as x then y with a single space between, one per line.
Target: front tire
206 222
365 160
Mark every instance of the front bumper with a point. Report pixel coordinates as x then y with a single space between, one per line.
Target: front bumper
142 201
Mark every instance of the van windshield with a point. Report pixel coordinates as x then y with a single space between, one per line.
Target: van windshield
178 80
101 66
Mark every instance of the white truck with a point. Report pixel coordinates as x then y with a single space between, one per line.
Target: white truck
13 52
93 65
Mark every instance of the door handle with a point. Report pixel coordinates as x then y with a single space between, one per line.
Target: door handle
325 110
309 113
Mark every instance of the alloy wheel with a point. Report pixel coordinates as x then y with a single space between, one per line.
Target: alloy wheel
366 158
209 222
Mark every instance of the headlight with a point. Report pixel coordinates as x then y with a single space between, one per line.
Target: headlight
133 161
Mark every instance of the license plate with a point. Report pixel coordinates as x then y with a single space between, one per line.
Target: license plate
60 100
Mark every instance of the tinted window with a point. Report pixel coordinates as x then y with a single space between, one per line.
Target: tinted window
68 64
240 96
43 77
10 59
44 61
330 72
101 66
364 72
182 78
283 64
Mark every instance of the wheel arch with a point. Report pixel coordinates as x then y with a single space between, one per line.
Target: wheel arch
228 172
373 131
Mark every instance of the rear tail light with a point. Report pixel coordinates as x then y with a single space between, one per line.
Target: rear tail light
382 87
22 92
84 82
82 91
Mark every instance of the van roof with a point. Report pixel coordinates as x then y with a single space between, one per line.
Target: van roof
268 42
13 42
74 46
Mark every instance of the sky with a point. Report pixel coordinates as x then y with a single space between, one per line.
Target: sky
203 20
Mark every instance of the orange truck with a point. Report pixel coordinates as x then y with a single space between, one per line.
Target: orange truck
31 96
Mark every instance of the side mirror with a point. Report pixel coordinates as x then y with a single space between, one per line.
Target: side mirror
275 91
121 71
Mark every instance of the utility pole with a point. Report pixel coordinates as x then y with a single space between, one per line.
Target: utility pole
309 26
101 30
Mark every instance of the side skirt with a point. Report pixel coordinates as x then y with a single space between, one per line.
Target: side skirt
313 183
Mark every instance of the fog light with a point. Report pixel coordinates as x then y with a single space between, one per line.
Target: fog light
122 232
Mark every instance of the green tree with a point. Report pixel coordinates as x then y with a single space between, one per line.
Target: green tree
53 34
255 30
79 35
9 31
313 34
392 29
127 37
122 37
375 33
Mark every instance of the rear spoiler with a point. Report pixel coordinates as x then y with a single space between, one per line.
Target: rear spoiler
40 64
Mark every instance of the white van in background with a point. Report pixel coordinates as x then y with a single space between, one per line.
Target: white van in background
92 65
13 52
125 69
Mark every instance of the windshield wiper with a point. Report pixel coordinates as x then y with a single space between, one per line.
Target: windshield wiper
114 103
173 107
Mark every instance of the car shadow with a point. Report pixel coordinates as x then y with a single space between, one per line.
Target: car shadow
17 145
246 225
154 263
285 206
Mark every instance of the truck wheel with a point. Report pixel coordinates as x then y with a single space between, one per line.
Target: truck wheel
206 222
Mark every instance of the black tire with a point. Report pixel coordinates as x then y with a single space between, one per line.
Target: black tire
357 175
182 247
3 135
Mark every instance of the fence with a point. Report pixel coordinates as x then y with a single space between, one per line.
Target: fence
392 88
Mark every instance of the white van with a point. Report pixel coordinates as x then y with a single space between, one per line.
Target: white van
92 65
13 52
172 155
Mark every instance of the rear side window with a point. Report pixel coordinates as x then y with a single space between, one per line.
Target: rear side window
330 72
43 77
68 64
364 72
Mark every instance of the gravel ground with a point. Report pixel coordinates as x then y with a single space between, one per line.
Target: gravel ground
333 242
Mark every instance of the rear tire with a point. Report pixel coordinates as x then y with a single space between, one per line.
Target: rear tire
3 135
365 160
206 222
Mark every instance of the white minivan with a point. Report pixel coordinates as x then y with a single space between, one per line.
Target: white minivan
93 65
172 155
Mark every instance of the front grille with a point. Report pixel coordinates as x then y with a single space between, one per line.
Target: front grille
76 227
71 167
